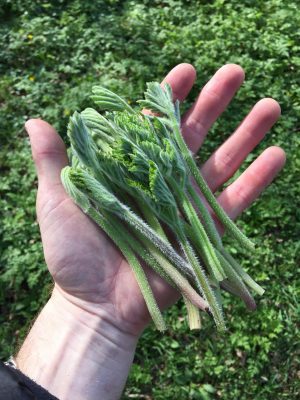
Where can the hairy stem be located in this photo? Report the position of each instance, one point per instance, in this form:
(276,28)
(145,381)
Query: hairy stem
(183,285)
(208,254)
(208,222)
(237,282)
(205,288)
(107,201)
(220,213)
(243,274)
(135,265)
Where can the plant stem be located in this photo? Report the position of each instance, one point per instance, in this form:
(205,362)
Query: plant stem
(220,213)
(237,282)
(208,222)
(161,265)
(161,244)
(234,264)
(191,301)
(135,265)
(177,278)
(200,276)
(205,288)
(234,279)
(138,249)
(151,219)
(106,200)
(208,254)
(243,274)
(151,255)
(194,317)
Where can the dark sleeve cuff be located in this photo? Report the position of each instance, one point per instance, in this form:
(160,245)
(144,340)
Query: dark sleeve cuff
(14,385)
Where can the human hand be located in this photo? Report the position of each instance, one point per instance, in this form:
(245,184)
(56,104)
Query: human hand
(82,344)
(87,268)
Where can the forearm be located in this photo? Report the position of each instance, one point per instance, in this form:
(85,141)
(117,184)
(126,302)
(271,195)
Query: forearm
(76,355)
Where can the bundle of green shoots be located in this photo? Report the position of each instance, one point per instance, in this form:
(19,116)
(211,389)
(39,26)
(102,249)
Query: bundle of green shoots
(135,177)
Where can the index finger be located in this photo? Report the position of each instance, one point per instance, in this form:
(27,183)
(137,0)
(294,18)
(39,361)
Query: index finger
(181,79)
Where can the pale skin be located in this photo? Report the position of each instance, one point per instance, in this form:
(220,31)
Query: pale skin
(82,344)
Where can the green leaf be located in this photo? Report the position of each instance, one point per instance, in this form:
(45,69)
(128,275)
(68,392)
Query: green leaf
(158,99)
(81,141)
(99,125)
(107,100)
(80,198)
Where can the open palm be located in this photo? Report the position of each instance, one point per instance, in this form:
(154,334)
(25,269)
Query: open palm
(87,268)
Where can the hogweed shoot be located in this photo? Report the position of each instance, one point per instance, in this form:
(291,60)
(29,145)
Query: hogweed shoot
(132,174)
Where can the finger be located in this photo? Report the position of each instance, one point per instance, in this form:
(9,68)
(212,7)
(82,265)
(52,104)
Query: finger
(48,151)
(181,79)
(224,162)
(242,193)
(211,102)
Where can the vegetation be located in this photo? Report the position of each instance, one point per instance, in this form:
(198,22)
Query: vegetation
(53,52)
(135,169)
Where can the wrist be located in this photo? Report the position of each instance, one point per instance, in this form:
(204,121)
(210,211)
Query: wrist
(76,354)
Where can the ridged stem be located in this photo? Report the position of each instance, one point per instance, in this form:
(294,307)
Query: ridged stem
(236,280)
(96,192)
(135,265)
(243,274)
(194,318)
(208,222)
(205,288)
(220,213)
(191,298)
(158,262)
(207,251)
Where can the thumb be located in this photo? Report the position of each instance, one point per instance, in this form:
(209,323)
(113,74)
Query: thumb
(48,152)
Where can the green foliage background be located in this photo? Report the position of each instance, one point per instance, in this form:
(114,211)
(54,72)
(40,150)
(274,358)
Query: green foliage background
(52,52)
